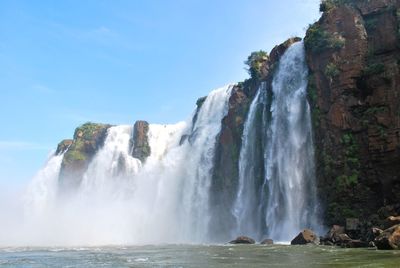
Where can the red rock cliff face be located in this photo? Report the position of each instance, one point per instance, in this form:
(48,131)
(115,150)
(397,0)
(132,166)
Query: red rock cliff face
(354,89)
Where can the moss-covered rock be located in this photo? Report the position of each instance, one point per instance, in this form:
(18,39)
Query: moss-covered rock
(88,139)
(63,146)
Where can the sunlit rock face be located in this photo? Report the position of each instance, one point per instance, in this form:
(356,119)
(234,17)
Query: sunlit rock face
(353,54)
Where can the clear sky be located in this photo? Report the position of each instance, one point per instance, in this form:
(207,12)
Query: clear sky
(66,62)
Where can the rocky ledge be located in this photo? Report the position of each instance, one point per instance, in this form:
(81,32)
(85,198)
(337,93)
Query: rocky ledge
(88,139)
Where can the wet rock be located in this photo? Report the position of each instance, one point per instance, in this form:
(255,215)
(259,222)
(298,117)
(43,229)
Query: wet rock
(342,239)
(141,148)
(376,232)
(243,240)
(389,239)
(63,146)
(305,237)
(88,139)
(327,243)
(334,232)
(391,221)
(355,244)
(267,242)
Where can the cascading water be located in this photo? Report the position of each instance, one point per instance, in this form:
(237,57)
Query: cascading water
(245,208)
(42,192)
(200,149)
(166,199)
(289,153)
(112,161)
(123,201)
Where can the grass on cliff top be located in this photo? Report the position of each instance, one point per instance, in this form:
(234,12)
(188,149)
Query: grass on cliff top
(327,5)
(318,39)
(255,62)
(88,130)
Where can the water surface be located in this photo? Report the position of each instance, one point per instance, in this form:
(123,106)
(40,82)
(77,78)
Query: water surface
(198,256)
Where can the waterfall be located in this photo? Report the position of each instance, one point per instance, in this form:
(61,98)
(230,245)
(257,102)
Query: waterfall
(245,210)
(42,191)
(289,153)
(166,198)
(200,149)
(121,200)
(111,161)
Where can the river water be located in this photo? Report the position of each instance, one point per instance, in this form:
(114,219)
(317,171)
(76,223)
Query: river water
(198,256)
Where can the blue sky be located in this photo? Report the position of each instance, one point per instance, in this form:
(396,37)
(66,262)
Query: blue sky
(63,63)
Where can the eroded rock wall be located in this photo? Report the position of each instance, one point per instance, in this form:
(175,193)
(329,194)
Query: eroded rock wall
(354,90)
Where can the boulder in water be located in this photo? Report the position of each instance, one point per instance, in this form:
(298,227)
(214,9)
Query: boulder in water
(305,237)
(341,239)
(334,233)
(267,241)
(243,240)
(389,239)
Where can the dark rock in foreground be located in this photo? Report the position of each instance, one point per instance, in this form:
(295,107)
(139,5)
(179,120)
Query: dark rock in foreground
(267,242)
(389,239)
(305,237)
(356,244)
(334,234)
(337,237)
(391,221)
(243,240)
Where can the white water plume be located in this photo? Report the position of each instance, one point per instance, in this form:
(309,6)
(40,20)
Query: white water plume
(123,201)
(246,203)
(289,155)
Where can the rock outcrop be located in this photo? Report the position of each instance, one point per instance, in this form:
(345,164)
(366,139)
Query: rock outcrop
(63,146)
(391,221)
(243,240)
(305,237)
(389,239)
(141,148)
(267,242)
(337,237)
(353,53)
(88,139)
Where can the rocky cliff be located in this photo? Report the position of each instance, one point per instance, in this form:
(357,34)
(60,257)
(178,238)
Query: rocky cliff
(226,159)
(87,140)
(353,53)
(141,148)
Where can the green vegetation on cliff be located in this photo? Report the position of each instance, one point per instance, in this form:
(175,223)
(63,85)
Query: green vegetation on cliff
(318,39)
(332,70)
(88,139)
(255,62)
(327,5)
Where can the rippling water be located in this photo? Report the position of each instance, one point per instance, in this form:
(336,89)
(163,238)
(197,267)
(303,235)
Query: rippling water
(198,256)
